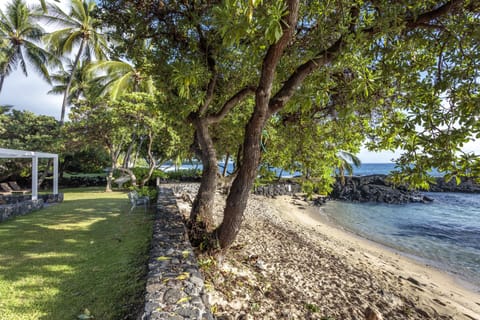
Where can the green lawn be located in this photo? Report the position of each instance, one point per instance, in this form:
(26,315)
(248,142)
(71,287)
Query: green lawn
(88,252)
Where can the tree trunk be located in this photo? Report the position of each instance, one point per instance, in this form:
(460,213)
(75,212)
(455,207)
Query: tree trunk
(70,81)
(224,173)
(113,157)
(2,78)
(126,159)
(108,188)
(151,160)
(201,215)
(133,178)
(44,174)
(243,183)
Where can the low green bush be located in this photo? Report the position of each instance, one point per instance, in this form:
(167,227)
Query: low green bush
(146,191)
(184,174)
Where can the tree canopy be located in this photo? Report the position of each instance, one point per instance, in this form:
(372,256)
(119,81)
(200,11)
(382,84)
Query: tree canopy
(20,37)
(292,83)
(326,77)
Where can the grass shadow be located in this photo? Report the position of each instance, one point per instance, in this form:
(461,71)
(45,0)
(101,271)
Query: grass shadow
(88,252)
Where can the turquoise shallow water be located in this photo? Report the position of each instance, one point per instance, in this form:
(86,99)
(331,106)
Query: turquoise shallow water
(444,233)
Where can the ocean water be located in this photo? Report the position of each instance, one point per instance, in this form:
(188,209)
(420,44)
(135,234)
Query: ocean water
(444,233)
(373,168)
(364,170)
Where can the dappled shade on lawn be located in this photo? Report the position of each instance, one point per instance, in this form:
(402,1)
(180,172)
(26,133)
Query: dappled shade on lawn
(88,252)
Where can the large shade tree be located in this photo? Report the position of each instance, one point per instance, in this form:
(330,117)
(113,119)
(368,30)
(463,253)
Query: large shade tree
(201,80)
(410,70)
(101,123)
(20,42)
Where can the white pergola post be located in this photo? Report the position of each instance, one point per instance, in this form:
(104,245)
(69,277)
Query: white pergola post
(55,175)
(34,155)
(34,177)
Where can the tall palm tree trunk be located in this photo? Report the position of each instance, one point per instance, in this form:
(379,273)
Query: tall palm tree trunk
(70,81)
(3,75)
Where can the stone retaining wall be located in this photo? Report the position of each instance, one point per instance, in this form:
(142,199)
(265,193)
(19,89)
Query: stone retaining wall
(175,286)
(278,189)
(20,208)
(17,205)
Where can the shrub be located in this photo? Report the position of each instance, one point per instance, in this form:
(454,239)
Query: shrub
(146,191)
(184,174)
(141,173)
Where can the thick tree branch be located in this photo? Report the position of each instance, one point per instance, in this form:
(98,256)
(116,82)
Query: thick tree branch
(210,93)
(234,100)
(207,51)
(325,57)
(423,19)
(296,79)
(275,51)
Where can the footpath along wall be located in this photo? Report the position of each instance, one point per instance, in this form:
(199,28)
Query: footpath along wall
(175,286)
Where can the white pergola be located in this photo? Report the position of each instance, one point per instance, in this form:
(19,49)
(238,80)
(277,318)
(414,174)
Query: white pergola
(34,155)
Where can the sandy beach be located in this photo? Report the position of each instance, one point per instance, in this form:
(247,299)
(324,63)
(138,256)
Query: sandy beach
(289,264)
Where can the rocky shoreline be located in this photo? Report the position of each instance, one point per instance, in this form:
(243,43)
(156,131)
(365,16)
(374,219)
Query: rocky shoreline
(374,188)
(371,188)
(287,265)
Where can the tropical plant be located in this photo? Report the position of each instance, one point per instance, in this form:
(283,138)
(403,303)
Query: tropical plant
(114,78)
(81,30)
(43,4)
(80,85)
(347,161)
(20,36)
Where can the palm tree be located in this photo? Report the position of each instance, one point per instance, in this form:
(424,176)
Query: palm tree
(80,30)
(80,84)
(118,77)
(346,160)
(19,35)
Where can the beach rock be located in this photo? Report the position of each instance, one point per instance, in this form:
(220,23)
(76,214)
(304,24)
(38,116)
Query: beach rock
(466,185)
(372,314)
(374,188)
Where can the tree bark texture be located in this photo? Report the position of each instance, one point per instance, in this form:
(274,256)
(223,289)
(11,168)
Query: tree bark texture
(243,183)
(202,208)
(201,215)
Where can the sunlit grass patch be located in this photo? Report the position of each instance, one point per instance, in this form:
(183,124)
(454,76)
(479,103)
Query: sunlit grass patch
(88,252)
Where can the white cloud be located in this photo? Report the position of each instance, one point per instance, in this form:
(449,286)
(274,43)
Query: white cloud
(30,93)
(377,157)
(472,146)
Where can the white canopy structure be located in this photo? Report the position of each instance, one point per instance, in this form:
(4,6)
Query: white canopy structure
(34,155)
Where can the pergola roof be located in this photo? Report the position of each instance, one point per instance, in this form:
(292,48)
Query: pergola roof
(12,153)
(34,155)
